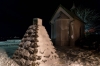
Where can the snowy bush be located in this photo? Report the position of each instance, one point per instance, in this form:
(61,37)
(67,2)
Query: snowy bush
(5,60)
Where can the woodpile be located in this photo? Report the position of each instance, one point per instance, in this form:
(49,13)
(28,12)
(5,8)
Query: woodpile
(24,55)
(36,48)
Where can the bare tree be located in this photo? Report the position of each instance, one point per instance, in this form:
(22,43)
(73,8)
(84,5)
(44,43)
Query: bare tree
(90,17)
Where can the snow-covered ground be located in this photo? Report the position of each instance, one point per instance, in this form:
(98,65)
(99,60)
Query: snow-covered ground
(10,46)
(9,42)
(9,50)
(73,57)
(36,49)
(5,60)
(78,57)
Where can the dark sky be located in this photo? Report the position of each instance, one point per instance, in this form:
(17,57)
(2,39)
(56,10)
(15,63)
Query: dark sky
(16,15)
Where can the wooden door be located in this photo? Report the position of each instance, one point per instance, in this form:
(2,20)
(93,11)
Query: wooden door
(62,32)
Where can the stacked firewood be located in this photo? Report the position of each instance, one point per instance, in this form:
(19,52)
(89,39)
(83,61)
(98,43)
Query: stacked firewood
(36,48)
(25,54)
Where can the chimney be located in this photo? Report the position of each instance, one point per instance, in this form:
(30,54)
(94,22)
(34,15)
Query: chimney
(73,6)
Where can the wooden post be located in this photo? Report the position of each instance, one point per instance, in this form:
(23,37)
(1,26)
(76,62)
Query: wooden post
(37,21)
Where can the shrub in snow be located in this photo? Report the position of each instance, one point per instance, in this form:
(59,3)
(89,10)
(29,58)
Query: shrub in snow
(5,60)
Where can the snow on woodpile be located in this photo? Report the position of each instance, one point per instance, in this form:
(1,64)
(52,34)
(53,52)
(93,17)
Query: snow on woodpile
(13,41)
(36,48)
(5,60)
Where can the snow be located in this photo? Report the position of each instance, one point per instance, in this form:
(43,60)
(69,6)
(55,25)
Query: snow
(72,36)
(13,41)
(45,47)
(5,60)
(79,57)
(9,42)
(48,55)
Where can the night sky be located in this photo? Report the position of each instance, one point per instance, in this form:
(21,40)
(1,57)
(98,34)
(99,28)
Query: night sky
(16,15)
